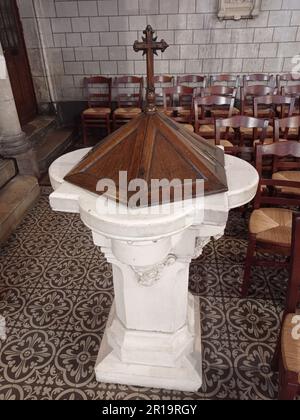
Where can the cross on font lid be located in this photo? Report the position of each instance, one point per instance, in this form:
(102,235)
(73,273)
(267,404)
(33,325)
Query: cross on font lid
(150,46)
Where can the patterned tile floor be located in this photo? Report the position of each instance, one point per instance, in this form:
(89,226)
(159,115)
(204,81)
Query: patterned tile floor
(56,291)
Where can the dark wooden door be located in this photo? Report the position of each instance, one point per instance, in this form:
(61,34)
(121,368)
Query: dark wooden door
(12,40)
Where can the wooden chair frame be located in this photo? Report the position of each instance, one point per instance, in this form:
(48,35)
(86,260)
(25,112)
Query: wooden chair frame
(236,123)
(289,386)
(265,196)
(218,90)
(96,100)
(207,105)
(219,79)
(162,79)
(174,101)
(258,77)
(128,100)
(286,77)
(272,102)
(192,78)
(251,92)
(294,91)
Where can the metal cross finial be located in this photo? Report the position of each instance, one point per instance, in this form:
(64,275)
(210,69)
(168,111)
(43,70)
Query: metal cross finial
(150,46)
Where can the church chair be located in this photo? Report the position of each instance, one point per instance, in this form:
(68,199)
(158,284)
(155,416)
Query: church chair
(229,80)
(97,115)
(258,79)
(129,98)
(270,225)
(235,127)
(289,362)
(277,106)
(287,354)
(293,91)
(178,103)
(192,80)
(219,90)
(160,82)
(286,169)
(287,79)
(206,110)
(248,93)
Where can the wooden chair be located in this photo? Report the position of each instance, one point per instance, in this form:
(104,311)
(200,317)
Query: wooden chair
(289,362)
(287,355)
(219,90)
(270,228)
(286,128)
(178,103)
(160,82)
(248,93)
(206,110)
(293,91)
(192,80)
(258,78)
(225,79)
(235,127)
(129,98)
(278,107)
(286,169)
(286,79)
(97,115)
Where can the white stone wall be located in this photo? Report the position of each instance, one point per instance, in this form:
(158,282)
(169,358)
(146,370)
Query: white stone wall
(68,40)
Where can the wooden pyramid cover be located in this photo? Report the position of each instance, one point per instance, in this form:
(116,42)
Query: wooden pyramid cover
(151,147)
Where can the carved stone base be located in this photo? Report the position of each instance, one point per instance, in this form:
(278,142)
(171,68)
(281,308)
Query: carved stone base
(2,328)
(19,148)
(170,366)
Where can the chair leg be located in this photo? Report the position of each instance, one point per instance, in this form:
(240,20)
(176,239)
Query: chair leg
(277,355)
(287,391)
(84,132)
(114,123)
(108,124)
(248,266)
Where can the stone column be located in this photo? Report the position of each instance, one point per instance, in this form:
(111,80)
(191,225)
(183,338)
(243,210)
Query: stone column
(13,141)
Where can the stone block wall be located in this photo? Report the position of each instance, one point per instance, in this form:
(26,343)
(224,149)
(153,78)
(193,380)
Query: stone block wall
(68,40)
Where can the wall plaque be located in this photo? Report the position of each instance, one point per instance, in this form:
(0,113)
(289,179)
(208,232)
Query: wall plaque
(238,9)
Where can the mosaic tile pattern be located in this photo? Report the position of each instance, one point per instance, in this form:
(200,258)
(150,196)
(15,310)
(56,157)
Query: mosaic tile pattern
(56,291)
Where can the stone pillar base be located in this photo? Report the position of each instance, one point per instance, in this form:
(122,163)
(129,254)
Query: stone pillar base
(184,375)
(2,328)
(28,164)
(18,147)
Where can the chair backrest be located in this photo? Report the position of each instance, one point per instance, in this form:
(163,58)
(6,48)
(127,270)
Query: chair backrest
(218,90)
(292,90)
(258,77)
(221,79)
(272,102)
(241,121)
(210,104)
(282,127)
(276,150)
(163,78)
(160,82)
(192,80)
(130,91)
(293,292)
(287,78)
(248,93)
(98,90)
(178,96)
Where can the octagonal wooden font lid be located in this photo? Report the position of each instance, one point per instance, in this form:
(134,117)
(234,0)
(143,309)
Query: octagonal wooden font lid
(152,146)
